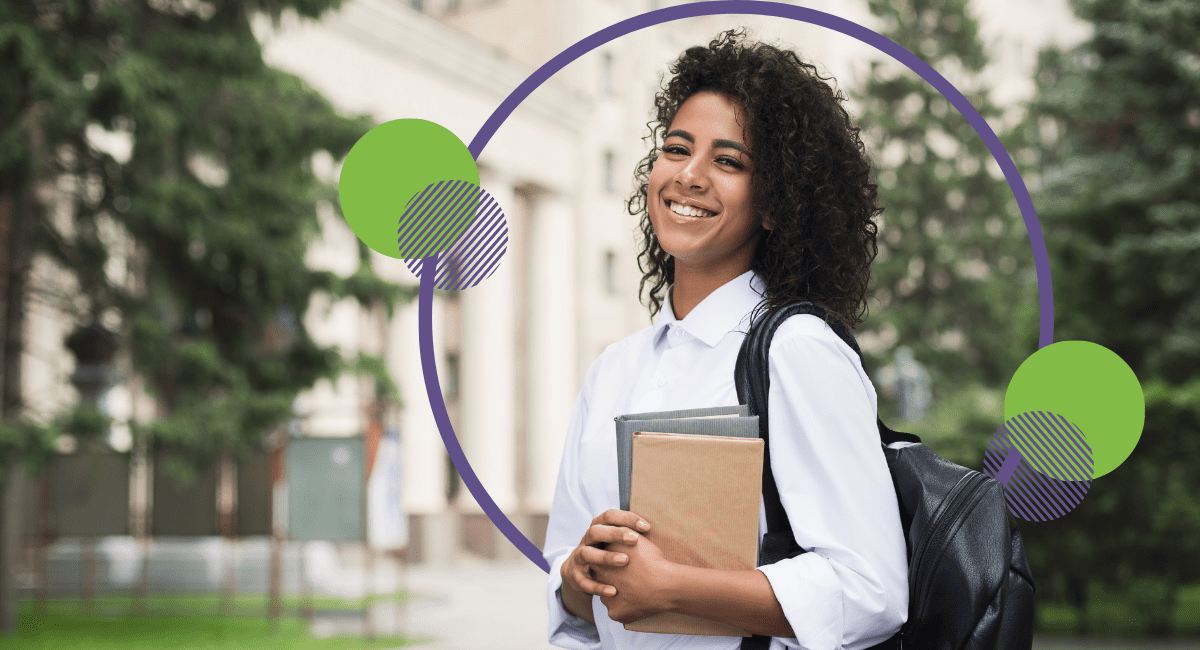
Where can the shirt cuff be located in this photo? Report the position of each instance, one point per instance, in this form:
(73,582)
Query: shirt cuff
(566,629)
(810,594)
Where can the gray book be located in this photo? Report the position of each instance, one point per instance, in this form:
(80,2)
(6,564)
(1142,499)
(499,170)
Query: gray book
(733,421)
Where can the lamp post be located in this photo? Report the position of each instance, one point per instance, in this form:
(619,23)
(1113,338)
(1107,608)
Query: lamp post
(93,347)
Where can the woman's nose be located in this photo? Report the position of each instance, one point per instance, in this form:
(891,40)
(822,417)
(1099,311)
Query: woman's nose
(692,174)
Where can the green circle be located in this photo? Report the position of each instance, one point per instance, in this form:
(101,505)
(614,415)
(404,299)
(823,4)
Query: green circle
(388,166)
(1089,385)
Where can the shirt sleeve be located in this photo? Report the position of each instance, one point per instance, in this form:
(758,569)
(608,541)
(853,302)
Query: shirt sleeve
(850,590)
(569,520)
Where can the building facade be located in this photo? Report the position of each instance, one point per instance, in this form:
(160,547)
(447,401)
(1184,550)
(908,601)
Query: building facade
(512,351)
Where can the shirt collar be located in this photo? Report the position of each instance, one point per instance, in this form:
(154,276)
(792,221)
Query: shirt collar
(722,311)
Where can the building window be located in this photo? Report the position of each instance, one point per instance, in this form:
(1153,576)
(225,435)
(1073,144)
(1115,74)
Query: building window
(452,481)
(610,272)
(452,377)
(606,75)
(609,179)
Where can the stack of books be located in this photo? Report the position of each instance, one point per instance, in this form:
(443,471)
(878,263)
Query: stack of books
(696,476)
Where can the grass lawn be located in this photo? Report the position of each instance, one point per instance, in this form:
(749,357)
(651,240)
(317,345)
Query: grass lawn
(70,631)
(181,622)
(203,604)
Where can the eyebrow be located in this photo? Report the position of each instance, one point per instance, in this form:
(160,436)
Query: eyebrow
(718,143)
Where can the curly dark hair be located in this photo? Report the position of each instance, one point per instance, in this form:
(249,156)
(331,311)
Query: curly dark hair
(811,180)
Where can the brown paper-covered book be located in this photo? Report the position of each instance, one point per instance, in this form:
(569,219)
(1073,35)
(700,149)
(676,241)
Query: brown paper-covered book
(701,493)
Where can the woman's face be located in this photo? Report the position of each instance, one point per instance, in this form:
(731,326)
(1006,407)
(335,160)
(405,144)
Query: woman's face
(700,200)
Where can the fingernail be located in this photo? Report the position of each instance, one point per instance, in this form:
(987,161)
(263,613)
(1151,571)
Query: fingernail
(631,537)
(643,525)
(622,558)
(611,591)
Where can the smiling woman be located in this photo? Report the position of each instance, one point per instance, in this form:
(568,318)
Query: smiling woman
(757,193)
(701,201)
(809,171)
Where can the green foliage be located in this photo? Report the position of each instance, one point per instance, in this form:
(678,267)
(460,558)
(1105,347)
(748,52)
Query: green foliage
(26,442)
(954,277)
(197,237)
(1123,613)
(188,632)
(23,440)
(972,409)
(84,421)
(1120,118)
(1119,123)
(376,368)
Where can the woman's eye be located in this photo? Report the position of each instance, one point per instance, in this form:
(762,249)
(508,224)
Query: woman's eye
(732,162)
(675,149)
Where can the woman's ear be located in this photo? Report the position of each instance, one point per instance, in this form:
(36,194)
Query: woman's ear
(766,225)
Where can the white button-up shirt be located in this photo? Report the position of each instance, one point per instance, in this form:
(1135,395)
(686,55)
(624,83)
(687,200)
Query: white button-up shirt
(851,589)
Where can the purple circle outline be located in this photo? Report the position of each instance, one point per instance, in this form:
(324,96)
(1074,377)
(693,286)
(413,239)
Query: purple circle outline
(715,7)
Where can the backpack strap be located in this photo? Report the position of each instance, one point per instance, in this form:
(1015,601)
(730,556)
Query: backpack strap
(752,380)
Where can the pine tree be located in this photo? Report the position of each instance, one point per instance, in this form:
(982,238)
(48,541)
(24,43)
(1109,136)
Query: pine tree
(193,240)
(1119,121)
(952,281)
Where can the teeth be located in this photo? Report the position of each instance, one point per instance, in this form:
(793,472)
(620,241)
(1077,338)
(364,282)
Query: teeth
(689,211)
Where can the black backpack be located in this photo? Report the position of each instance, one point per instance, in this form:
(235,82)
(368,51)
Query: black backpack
(969,584)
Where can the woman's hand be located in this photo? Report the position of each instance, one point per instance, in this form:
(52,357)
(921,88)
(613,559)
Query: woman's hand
(643,584)
(579,570)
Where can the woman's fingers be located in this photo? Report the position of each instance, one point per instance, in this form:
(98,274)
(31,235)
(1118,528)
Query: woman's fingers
(587,585)
(630,520)
(615,526)
(611,527)
(578,574)
(601,535)
(593,555)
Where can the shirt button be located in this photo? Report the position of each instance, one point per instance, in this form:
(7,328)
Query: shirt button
(661,382)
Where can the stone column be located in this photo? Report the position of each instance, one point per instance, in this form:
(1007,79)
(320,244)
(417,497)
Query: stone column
(487,377)
(488,382)
(434,527)
(551,366)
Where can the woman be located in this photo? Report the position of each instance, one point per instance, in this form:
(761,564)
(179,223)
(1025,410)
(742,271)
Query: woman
(759,194)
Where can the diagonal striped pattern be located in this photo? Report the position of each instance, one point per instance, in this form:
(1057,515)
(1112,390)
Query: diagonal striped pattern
(1051,445)
(476,254)
(1032,495)
(436,218)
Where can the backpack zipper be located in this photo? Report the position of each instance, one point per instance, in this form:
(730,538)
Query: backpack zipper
(963,492)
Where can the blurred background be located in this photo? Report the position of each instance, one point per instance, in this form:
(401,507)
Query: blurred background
(215,430)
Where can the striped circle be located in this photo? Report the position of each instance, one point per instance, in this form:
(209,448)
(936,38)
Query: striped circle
(436,218)
(1030,494)
(476,255)
(1051,445)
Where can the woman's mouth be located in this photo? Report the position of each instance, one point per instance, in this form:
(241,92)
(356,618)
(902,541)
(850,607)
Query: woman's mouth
(687,210)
